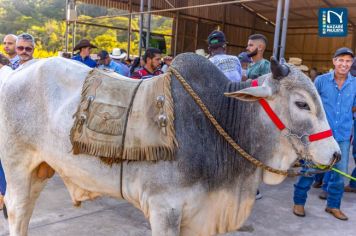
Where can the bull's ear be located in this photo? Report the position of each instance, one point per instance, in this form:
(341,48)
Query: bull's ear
(252,93)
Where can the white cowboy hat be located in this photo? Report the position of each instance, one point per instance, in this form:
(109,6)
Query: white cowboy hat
(117,54)
(201,52)
(303,68)
(295,61)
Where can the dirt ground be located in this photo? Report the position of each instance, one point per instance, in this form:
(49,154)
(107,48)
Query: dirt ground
(54,215)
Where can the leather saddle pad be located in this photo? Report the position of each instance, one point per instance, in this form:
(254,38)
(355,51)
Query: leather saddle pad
(124,119)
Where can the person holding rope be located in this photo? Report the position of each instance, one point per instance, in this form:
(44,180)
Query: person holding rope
(351,188)
(337,90)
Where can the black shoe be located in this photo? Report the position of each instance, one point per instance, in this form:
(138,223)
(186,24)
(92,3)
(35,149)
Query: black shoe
(4,210)
(317,184)
(258,195)
(323,195)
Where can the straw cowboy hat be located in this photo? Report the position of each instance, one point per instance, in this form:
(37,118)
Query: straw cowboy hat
(298,63)
(201,52)
(118,54)
(83,44)
(295,61)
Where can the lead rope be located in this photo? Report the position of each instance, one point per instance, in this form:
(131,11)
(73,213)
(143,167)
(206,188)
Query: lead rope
(224,134)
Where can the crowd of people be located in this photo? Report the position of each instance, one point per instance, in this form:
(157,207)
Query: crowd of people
(336,88)
(149,65)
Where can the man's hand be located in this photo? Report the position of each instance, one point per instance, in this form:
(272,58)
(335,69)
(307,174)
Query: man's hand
(167,60)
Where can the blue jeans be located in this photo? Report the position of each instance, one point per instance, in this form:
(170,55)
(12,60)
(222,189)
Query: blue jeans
(319,177)
(2,181)
(333,182)
(353,182)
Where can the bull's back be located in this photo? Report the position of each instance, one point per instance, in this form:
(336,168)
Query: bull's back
(40,98)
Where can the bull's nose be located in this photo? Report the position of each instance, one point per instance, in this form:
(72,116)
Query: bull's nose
(337,157)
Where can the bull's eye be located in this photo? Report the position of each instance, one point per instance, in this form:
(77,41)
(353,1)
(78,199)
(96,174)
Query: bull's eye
(302,105)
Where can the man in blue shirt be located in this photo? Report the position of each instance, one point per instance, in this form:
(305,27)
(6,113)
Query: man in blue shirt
(337,90)
(107,63)
(352,185)
(84,47)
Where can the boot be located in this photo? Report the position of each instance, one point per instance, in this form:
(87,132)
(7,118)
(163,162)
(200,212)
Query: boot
(298,210)
(1,201)
(337,213)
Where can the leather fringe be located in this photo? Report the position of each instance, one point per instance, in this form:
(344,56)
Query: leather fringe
(110,154)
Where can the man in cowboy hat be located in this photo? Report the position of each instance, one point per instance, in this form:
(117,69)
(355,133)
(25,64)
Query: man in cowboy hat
(84,46)
(107,63)
(118,55)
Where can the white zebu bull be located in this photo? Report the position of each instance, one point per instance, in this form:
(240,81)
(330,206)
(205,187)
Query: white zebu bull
(208,190)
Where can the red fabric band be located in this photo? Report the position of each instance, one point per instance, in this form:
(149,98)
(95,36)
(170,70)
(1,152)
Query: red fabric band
(279,123)
(321,135)
(254,83)
(269,110)
(271,114)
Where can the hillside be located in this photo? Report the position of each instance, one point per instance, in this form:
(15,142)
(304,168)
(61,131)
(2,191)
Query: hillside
(44,19)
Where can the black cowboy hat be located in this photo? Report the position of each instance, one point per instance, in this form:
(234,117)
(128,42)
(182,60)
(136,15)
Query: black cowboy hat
(83,44)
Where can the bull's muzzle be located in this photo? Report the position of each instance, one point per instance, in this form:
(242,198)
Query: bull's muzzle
(336,157)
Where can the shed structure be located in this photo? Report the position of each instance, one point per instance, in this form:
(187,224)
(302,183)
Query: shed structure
(195,19)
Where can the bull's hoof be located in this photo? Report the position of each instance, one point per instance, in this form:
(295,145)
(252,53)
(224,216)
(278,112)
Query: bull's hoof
(77,204)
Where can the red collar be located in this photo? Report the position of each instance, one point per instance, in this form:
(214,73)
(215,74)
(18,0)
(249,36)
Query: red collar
(275,119)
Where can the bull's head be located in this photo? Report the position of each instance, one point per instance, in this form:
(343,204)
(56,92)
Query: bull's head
(294,99)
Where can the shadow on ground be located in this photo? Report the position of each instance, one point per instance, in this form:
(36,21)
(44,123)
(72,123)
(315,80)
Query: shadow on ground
(55,216)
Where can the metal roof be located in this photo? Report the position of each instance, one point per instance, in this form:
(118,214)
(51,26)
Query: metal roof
(302,14)
(239,19)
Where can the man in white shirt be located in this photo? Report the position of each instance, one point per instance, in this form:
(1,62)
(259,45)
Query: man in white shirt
(229,65)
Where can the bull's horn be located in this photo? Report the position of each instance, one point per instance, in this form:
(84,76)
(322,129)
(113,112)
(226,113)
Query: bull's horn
(278,70)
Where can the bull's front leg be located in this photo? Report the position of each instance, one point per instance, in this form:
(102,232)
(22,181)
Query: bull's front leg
(23,189)
(165,219)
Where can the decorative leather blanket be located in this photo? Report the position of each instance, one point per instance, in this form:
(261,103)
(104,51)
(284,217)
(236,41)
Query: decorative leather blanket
(125,119)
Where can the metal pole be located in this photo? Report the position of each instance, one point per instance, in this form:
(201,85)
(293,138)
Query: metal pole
(73,35)
(67,28)
(148,24)
(284,30)
(129,30)
(74,27)
(176,33)
(353,44)
(196,35)
(141,26)
(277,30)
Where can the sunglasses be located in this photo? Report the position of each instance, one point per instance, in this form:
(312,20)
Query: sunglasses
(27,49)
